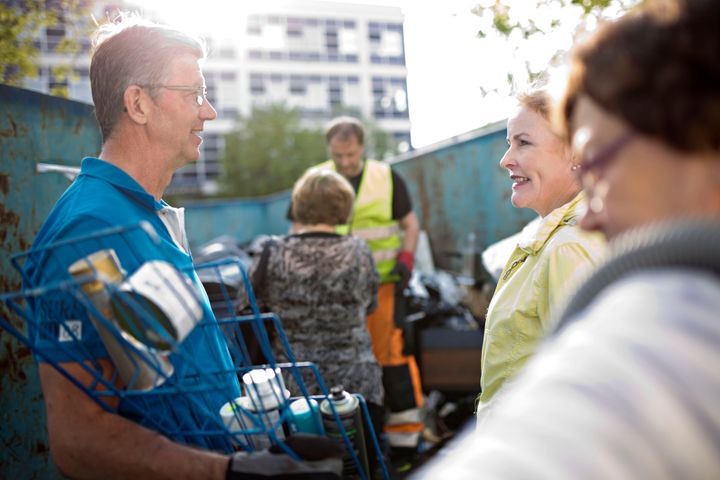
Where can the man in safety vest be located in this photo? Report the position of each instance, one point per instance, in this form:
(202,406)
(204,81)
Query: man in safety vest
(383,216)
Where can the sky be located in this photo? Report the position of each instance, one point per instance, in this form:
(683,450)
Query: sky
(457,82)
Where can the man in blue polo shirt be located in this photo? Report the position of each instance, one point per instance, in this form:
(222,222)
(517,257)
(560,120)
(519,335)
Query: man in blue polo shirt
(149,96)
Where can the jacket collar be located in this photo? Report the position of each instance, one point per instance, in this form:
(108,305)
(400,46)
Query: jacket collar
(95,167)
(567,214)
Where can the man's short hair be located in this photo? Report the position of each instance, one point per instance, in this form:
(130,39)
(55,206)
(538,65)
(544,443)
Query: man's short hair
(344,128)
(322,196)
(132,51)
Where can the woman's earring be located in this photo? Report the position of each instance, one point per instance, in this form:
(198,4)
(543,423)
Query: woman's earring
(574,167)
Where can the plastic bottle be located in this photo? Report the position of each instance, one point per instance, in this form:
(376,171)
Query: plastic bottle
(469,254)
(348,409)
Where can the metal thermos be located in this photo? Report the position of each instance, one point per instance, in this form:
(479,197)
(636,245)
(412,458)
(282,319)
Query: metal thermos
(139,369)
(348,409)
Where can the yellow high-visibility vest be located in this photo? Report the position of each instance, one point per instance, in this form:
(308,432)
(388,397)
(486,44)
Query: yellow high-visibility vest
(372,216)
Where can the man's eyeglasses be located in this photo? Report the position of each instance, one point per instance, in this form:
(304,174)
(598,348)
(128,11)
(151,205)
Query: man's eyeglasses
(603,157)
(201,92)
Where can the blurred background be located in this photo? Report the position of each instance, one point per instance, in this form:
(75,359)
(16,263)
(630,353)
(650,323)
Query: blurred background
(416,72)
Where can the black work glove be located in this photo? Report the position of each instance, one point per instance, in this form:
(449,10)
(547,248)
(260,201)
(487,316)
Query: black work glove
(321,459)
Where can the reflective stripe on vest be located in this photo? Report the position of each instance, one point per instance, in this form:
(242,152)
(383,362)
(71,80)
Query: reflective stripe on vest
(377,233)
(372,216)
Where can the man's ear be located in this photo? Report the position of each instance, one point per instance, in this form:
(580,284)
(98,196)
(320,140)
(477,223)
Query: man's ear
(135,103)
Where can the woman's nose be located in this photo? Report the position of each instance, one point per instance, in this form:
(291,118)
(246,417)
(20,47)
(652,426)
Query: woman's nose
(505,161)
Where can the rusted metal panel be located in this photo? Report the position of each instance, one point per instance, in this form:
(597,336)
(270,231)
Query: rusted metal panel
(34,128)
(458,188)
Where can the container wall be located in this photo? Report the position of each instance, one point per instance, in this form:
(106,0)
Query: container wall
(242,219)
(34,128)
(458,188)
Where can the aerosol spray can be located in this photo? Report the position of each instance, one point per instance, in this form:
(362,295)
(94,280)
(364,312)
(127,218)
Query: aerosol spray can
(305,417)
(348,409)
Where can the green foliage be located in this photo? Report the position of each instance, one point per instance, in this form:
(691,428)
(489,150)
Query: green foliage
(521,21)
(589,5)
(378,143)
(21,22)
(268,151)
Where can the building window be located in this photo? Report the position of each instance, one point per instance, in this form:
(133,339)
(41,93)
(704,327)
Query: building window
(227,52)
(54,35)
(257,84)
(227,76)
(386,43)
(389,97)
(230,112)
(213,145)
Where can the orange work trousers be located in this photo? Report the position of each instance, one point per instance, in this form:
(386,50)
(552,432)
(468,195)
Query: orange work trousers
(401,377)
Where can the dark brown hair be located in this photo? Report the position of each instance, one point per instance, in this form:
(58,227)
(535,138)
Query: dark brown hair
(658,70)
(344,128)
(322,196)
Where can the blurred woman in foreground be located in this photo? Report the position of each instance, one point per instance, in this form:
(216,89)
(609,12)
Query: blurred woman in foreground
(630,387)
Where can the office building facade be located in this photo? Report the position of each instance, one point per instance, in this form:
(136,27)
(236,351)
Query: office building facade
(318,57)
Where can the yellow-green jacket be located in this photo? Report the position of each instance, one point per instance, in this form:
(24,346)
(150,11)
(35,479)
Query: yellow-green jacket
(372,216)
(534,284)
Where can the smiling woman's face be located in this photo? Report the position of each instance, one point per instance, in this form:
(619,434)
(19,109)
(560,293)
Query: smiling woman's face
(539,163)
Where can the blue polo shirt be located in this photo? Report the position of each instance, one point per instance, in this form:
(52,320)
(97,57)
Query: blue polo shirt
(103,208)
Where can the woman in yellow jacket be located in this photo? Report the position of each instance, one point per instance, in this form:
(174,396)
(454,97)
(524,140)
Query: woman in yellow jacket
(542,269)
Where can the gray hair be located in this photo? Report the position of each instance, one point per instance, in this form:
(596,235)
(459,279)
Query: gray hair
(132,51)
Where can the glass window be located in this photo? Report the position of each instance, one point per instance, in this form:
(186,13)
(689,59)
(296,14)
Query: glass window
(230,112)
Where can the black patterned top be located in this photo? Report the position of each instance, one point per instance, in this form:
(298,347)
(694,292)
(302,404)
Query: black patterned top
(322,286)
